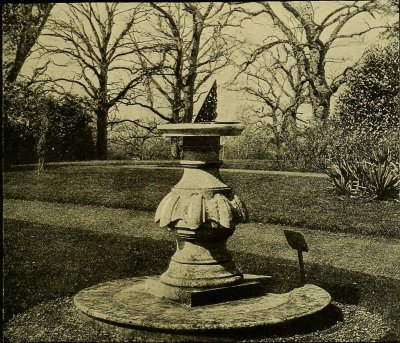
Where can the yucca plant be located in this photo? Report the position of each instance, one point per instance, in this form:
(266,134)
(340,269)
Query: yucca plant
(382,180)
(344,175)
(375,176)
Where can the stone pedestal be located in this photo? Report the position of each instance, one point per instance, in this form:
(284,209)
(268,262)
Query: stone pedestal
(201,211)
(202,295)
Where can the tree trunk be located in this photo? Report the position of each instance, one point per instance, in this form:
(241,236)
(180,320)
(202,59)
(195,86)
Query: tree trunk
(192,73)
(320,93)
(289,126)
(320,102)
(189,105)
(41,144)
(101,141)
(30,32)
(19,60)
(175,148)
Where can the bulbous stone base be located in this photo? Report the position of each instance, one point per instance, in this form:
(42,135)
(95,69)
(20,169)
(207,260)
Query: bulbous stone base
(202,212)
(125,305)
(201,260)
(196,275)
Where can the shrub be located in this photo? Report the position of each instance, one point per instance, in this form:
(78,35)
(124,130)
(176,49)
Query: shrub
(365,150)
(381,176)
(371,101)
(374,176)
(342,176)
(68,133)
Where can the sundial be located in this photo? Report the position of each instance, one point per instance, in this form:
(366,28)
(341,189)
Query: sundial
(202,293)
(208,111)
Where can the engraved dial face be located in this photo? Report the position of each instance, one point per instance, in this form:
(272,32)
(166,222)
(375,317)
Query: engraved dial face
(208,111)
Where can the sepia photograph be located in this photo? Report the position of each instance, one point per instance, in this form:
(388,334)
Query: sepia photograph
(201,171)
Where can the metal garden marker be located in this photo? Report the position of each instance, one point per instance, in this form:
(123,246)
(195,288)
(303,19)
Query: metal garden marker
(297,241)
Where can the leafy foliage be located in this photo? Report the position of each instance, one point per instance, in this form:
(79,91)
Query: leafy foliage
(391,7)
(371,103)
(67,132)
(23,110)
(365,152)
(70,135)
(375,175)
(342,176)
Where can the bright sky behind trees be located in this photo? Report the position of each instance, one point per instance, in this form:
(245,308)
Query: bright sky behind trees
(254,30)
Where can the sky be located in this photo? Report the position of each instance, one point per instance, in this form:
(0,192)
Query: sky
(230,102)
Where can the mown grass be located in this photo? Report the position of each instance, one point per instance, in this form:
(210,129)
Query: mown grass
(228,163)
(271,165)
(42,263)
(278,199)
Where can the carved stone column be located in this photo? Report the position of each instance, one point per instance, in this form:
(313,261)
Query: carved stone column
(202,212)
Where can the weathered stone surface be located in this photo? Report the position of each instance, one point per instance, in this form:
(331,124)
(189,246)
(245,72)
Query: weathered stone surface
(126,303)
(201,129)
(201,274)
(250,286)
(202,212)
(208,201)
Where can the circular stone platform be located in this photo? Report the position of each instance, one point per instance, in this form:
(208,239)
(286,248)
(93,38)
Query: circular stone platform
(201,129)
(127,304)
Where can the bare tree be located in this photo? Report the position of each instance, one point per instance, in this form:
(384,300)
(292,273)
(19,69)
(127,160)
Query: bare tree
(22,26)
(191,43)
(310,42)
(131,136)
(274,84)
(254,142)
(93,36)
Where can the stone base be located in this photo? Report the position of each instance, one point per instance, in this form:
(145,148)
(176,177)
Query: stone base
(125,305)
(250,286)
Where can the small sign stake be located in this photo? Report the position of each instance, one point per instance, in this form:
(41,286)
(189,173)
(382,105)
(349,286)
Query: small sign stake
(297,241)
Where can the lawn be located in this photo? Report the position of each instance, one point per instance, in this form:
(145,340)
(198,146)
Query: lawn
(43,264)
(289,200)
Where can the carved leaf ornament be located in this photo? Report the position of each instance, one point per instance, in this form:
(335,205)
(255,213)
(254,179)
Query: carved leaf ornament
(176,210)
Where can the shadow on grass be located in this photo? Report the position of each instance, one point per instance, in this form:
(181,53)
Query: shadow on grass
(344,286)
(275,199)
(42,263)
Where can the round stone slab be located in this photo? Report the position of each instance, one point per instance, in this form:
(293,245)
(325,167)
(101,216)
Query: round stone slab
(126,303)
(201,129)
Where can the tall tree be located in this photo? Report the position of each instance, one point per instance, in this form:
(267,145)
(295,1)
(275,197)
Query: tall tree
(275,86)
(94,39)
(22,26)
(310,41)
(191,43)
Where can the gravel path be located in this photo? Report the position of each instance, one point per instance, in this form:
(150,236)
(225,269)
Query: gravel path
(58,321)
